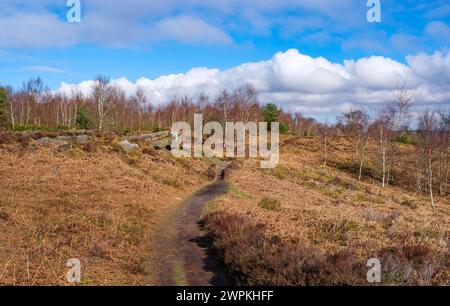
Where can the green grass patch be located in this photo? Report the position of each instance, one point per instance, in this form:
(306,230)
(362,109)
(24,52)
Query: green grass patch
(270,204)
(33,128)
(172,182)
(362,197)
(239,194)
(178,273)
(211,206)
(407,139)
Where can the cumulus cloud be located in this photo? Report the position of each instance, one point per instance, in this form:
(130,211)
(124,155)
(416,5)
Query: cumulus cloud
(299,82)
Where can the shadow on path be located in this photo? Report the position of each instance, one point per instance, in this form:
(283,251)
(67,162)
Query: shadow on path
(199,264)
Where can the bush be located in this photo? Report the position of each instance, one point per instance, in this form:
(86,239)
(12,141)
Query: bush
(34,128)
(254,258)
(126,132)
(270,204)
(409,264)
(406,139)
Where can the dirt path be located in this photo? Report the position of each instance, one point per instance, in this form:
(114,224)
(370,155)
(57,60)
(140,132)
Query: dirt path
(187,259)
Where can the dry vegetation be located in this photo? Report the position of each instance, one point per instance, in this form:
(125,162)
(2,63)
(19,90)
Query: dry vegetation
(303,223)
(89,201)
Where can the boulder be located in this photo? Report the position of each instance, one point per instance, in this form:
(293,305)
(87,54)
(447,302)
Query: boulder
(44,140)
(64,138)
(161,144)
(128,146)
(83,138)
(150,137)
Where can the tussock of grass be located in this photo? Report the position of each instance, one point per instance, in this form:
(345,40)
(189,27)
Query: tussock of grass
(270,204)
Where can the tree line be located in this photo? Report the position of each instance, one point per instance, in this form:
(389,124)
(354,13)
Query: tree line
(108,108)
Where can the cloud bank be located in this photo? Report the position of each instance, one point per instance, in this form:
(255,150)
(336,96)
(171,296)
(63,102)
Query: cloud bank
(298,82)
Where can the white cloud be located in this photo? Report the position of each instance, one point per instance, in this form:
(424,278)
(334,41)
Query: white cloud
(432,69)
(37,30)
(190,30)
(438,30)
(40,69)
(41,28)
(302,83)
(377,72)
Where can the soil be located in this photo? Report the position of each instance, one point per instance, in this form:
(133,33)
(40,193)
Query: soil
(187,258)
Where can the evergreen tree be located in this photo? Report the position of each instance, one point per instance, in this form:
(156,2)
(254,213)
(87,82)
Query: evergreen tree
(271,112)
(82,120)
(3,99)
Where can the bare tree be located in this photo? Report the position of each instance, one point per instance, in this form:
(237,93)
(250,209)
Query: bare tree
(383,131)
(325,131)
(444,154)
(223,102)
(33,90)
(12,100)
(398,111)
(356,124)
(100,92)
(245,100)
(117,106)
(141,100)
(428,147)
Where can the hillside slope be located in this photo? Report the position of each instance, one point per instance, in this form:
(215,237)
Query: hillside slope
(94,202)
(306,224)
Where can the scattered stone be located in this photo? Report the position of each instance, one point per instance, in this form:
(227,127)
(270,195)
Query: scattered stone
(161,144)
(44,140)
(150,137)
(128,146)
(64,138)
(64,147)
(83,138)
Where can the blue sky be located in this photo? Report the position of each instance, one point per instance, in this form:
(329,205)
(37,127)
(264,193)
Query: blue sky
(137,39)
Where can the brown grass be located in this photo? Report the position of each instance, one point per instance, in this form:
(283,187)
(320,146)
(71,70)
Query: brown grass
(326,211)
(87,202)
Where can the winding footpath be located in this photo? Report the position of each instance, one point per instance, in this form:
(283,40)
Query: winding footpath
(188,259)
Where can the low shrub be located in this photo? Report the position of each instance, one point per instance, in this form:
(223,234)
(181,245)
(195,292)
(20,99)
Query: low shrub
(31,127)
(406,139)
(172,182)
(409,264)
(270,204)
(255,257)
